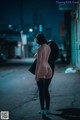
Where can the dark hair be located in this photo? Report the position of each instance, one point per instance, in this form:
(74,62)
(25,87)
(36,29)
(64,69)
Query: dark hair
(41,39)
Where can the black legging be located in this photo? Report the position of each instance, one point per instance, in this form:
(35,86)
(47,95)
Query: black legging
(43,85)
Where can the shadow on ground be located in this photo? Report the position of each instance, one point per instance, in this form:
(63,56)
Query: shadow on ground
(46,117)
(68,113)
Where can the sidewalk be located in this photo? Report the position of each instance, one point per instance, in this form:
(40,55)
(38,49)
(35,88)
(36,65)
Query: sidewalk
(25,61)
(21,61)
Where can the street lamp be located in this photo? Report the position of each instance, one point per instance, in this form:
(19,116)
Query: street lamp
(30,30)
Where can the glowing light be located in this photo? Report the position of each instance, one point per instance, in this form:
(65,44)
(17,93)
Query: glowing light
(50,40)
(10,26)
(19,44)
(40,28)
(30,30)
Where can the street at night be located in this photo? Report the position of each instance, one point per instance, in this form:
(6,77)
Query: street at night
(19,94)
(48,31)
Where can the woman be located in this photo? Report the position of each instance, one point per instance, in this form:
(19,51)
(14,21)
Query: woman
(43,72)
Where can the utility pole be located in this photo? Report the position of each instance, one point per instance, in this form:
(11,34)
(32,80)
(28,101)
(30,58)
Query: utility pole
(21,25)
(35,20)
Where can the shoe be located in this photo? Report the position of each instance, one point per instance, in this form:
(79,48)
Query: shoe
(47,111)
(41,112)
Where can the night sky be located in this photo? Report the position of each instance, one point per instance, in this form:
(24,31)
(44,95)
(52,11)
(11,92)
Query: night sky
(47,9)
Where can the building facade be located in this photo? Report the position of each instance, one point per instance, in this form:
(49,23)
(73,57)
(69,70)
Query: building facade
(75,36)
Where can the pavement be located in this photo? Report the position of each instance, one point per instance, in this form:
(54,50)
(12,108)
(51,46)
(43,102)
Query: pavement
(23,103)
(25,60)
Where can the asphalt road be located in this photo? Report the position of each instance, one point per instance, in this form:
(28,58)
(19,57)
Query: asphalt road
(19,94)
(17,88)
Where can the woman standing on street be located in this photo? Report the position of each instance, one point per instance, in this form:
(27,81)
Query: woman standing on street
(43,72)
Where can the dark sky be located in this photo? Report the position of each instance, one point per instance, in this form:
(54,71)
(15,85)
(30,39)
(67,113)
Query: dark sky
(47,9)
(10,10)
